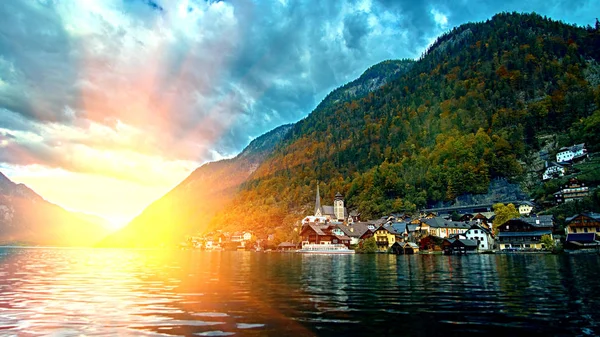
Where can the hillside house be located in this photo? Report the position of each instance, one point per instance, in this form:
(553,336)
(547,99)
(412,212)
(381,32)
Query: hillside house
(574,190)
(525,207)
(567,154)
(553,170)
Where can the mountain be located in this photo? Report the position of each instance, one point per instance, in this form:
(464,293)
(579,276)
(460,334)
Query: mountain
(475,107)
(27,219)
(189,207)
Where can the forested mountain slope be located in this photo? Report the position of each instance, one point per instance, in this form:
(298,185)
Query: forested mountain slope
(468,111)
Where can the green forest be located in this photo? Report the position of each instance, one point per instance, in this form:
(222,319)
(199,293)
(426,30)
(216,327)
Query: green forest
(472,108)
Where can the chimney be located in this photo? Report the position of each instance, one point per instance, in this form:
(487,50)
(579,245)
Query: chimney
(351,229)
(537,221)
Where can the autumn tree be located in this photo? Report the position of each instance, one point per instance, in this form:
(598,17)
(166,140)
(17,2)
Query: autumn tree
(503,214)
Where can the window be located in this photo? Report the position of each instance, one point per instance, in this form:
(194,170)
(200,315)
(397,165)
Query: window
(585,230)
(482,246)
(597,229)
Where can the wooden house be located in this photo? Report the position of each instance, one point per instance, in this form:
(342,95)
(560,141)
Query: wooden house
(525,233)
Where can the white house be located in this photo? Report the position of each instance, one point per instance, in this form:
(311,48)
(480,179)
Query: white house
(483,237)
(566,154)
(553,170)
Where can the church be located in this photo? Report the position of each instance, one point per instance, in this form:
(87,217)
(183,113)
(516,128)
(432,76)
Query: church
(337,212)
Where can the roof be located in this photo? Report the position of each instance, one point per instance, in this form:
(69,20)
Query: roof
(518,234)
(465,242)
(573,148)
(540,221)
(439,222)
(581,237)
(480,227)
(354,230)
(411,227)
(286,244)
(595,216)
(316,228)
(399,227)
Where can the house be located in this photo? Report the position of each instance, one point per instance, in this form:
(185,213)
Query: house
(525,233)
(354,230)
(322,234)
(385,238)
(574,190)
(483,236)
(553,170)
(404,248)
(567,154)
(525,207)
(443,228)
(583,223)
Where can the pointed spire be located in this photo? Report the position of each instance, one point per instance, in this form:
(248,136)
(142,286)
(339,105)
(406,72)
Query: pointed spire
(318,201)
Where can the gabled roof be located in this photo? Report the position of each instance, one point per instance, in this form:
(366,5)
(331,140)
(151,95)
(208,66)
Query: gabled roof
(595,216)
(480,227)
(354,230)
(399,227)
(318,229)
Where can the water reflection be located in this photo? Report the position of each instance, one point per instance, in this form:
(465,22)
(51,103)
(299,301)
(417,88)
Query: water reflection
(69,292)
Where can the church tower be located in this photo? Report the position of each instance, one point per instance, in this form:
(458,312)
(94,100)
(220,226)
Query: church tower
(338,206)
(318,210)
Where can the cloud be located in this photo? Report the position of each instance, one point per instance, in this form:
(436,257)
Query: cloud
(190,81)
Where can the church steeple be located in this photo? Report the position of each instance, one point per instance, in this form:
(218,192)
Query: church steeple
(318,202)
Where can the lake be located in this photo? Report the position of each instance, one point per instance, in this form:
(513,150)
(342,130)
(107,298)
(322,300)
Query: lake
(97,292)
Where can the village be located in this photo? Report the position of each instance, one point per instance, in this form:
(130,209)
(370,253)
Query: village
(454,230)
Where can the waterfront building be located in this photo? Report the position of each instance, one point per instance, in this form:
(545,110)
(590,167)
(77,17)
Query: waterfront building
(385,238)
(312,233)
(583,223)
(483,236)
(525,233)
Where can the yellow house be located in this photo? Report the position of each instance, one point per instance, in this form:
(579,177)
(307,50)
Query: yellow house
(384,238)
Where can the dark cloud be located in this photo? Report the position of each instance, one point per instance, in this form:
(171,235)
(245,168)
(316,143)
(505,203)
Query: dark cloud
(201,80)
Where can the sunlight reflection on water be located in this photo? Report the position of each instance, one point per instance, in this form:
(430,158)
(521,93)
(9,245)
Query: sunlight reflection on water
(72,292)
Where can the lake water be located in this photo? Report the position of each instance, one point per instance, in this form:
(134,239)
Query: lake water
(74,292)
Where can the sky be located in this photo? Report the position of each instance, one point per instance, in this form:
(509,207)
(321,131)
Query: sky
(107,105)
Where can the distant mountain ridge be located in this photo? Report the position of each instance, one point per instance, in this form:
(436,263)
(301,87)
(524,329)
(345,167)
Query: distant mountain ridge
(27,219)
(189,207)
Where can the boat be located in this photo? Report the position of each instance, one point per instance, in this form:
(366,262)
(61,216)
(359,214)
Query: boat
(325,249)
